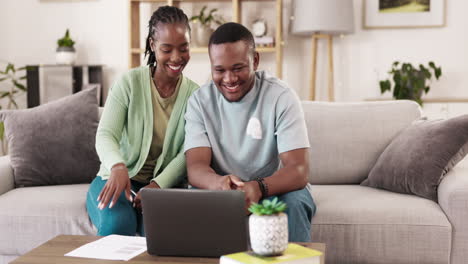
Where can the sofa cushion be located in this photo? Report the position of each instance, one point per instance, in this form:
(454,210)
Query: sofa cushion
(32,215)
(419,157)
(346,139)
(54,143)
(365,225)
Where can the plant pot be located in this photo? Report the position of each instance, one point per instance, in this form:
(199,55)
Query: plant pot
(203,34)
(415,96)
(268,234)
(65,55)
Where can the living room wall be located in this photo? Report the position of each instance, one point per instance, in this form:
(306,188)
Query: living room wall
(366,56)
(30,29)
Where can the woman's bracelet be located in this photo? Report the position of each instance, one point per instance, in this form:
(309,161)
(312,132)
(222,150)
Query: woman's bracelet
(119,167)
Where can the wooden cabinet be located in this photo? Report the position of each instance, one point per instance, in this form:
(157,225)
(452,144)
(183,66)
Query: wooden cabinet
(134,21)
(47,83)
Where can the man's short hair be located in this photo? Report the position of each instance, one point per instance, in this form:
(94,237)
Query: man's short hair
(232,32)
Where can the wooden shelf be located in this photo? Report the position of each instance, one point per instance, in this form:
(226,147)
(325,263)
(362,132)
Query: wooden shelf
(199,49)
(266,50)
(134,27)
(137,51)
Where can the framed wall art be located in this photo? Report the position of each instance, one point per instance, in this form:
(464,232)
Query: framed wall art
(403,13)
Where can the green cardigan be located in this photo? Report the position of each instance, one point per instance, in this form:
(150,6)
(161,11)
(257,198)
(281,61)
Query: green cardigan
(125,130)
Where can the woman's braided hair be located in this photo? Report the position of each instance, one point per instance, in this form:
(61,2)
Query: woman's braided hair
(163,15)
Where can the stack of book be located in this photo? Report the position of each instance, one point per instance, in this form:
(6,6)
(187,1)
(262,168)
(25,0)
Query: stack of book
(294,254)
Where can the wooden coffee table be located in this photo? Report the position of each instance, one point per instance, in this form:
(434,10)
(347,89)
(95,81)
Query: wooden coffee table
(53,251)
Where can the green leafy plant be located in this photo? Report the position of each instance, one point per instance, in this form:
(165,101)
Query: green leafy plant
(268,207)
(66,41)
(410,82)
(207,19)
(13,76)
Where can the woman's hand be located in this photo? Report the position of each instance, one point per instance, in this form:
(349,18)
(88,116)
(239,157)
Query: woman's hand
(137,201)
(229,182)
(118,181)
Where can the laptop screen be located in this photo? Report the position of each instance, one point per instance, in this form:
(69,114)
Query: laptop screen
(193,222)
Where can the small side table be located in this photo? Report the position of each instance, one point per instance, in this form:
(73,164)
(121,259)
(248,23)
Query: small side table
(49,82)
(53,252)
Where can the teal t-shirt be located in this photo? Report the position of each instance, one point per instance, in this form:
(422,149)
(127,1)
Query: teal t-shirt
(246,137)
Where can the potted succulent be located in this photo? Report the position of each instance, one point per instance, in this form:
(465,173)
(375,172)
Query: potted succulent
(410,82)
(203,22)
(268,227)
(65,53)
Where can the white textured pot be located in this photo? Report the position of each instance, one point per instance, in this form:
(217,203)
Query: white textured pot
(65,55)
(268,234)
(203,35)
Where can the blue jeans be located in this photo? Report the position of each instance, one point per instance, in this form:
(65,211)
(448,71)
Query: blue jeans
(121,219)
(300,209)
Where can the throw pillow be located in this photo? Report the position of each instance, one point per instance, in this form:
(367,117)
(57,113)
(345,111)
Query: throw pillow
(54,143)
(416,160)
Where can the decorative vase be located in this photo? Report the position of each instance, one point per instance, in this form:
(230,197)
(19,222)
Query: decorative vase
(203,34)
(65,55)
(268,234)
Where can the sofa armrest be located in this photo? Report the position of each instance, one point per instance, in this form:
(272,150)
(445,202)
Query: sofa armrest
(7,181)
(453,199)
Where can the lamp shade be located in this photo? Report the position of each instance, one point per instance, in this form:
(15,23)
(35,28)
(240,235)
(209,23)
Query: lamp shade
(324,16)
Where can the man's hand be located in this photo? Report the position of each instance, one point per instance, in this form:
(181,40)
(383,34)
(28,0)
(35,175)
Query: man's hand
(292,176)
(251,189)
(202,176)
(229,182)
(137,201)
(252,194)
(118,182)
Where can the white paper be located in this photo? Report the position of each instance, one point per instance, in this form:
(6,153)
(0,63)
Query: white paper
(113,247)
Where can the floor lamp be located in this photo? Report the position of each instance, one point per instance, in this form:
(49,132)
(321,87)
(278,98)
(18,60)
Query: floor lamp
(322,19)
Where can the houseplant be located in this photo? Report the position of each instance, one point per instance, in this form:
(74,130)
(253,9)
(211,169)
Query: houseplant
(14,77)
(268,227)
(204,22)
(410,82)
(65,53)
(11,87)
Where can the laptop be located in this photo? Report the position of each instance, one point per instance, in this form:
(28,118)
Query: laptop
(193,222)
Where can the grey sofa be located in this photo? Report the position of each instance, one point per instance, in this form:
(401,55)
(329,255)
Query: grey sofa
(359,224)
